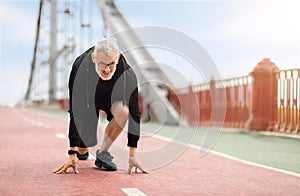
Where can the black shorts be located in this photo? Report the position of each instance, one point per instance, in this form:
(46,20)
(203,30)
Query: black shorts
(90,137)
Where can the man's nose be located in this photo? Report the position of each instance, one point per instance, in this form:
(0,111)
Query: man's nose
(106,68)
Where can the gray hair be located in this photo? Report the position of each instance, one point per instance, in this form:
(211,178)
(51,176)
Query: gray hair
(107,45)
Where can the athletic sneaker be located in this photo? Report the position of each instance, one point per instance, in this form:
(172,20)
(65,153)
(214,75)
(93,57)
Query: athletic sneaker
(104,161)
(84,156)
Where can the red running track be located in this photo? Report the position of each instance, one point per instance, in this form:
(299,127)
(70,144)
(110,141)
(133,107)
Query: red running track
(30,151)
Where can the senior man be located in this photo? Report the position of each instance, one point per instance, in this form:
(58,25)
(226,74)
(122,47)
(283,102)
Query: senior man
(101,79)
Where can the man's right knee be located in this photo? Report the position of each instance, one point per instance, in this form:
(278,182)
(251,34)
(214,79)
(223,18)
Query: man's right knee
(120,113)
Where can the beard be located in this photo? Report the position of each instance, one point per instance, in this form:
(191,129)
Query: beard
(104,76)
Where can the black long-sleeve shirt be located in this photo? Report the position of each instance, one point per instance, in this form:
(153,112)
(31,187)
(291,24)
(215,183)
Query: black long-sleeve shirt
(89,93)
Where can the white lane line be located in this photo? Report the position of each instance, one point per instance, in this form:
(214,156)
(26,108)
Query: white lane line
(32,121)
(255,164)
(133,192)
(60,135)
(233,158)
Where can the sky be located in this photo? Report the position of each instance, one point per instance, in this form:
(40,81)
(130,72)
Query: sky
(236,34)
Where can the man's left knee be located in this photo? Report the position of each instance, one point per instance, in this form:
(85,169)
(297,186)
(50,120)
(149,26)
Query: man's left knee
(120,112)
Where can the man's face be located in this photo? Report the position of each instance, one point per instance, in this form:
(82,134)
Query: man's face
(105,65)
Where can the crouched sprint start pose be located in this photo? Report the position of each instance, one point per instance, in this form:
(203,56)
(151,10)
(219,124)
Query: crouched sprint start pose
(101,79)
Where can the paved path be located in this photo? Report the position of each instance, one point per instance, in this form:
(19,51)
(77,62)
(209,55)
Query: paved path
(31,148)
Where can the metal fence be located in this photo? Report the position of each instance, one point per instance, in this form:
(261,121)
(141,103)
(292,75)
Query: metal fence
(266,99)
(288,115)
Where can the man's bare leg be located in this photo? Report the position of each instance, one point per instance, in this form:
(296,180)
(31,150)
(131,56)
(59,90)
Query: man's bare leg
(82,151)
(116,125)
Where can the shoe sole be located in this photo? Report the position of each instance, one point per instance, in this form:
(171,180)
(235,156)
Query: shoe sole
(100,165)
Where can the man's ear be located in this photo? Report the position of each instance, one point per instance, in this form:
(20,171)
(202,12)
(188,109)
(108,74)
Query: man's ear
(93,57)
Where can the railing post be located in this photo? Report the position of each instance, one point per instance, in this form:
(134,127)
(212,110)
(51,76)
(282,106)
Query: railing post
(264,96)
(212,92)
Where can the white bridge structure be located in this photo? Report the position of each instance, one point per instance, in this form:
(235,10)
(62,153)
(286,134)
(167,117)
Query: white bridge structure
(153,81)
(53,53)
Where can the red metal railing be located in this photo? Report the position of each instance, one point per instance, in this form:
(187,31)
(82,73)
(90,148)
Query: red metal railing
(288,118)
(266,99)
(63,103)
(238,94)
(236,91)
